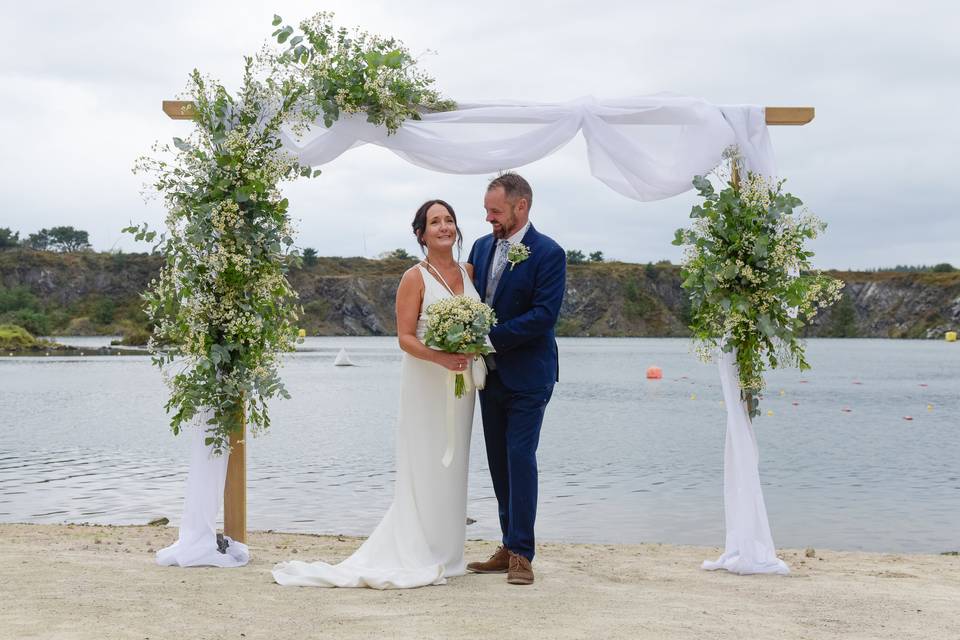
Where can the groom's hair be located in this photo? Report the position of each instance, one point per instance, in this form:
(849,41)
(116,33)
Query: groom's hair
(514,187)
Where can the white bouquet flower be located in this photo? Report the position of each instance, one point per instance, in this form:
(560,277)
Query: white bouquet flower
(459,325)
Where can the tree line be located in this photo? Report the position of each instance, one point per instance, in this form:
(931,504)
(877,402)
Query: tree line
(62,239)
(66,239)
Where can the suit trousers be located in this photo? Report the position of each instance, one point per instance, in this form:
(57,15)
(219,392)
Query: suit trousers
(511,429)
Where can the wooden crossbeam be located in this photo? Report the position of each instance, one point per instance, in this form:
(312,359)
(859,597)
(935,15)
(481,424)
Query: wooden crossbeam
(789,115)
(179,109)
(795,116)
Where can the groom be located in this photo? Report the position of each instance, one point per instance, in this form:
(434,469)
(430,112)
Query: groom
(521,274)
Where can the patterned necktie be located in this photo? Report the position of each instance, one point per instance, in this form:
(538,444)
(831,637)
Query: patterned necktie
(499,262)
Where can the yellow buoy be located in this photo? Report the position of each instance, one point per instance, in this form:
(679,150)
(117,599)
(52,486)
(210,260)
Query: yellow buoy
(770,412)
(951,336)
(302,333)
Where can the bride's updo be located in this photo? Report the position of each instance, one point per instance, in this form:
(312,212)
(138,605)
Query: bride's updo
(420,223)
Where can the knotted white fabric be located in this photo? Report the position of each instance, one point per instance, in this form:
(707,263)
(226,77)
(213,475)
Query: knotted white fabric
(646,148)
(197,543)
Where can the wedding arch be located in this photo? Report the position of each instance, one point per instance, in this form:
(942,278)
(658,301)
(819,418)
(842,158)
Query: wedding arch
(326,93)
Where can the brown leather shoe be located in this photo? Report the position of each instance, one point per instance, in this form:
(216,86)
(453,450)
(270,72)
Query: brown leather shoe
(520,571)
(499,562)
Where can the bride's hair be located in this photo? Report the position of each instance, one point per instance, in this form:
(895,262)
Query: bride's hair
(420,223)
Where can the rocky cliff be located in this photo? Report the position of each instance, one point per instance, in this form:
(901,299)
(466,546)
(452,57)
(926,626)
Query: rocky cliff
(99,293)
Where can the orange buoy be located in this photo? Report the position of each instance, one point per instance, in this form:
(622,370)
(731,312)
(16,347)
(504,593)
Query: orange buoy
(654,373)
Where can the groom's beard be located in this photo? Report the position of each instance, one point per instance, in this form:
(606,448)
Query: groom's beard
(506,230)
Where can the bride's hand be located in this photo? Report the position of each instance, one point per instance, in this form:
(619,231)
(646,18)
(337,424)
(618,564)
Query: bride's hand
(456,362)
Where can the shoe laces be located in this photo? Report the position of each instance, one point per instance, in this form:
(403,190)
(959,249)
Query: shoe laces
(516,562)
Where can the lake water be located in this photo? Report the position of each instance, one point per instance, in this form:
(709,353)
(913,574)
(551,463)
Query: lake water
(622,459)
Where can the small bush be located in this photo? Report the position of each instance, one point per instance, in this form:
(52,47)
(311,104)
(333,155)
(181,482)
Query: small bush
(15,337)
(36,322)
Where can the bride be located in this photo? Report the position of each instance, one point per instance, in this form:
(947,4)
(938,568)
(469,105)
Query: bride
(420,539)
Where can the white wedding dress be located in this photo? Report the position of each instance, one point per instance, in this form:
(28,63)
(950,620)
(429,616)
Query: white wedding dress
(420,539)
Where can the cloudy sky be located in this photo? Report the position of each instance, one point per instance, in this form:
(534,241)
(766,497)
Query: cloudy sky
(81,86)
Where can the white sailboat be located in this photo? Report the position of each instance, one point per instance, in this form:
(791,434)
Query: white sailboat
(343,360)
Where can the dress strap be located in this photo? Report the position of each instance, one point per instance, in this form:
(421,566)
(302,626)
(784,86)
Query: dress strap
(439,275)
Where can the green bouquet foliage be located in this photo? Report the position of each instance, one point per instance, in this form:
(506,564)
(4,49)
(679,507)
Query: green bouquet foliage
(222,308)
(749,278)
(459,325)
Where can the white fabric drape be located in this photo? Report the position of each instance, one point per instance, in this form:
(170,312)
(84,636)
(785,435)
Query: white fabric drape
(646,148)
(749,124)
(197,543)
(749,545)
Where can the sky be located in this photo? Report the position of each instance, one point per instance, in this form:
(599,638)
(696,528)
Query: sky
(81,86)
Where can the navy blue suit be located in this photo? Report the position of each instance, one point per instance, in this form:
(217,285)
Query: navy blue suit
(527,303)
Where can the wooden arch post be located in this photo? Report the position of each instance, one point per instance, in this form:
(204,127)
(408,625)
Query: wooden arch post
(235,490)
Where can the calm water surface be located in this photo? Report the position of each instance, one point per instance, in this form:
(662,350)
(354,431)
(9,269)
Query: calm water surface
(622,459)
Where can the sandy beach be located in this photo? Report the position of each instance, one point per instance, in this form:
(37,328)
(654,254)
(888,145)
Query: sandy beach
(85,581)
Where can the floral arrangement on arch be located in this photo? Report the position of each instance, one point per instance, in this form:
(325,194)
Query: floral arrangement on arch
(221,308)
(747,270)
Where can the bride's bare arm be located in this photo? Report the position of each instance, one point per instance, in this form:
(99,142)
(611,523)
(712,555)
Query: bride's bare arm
(409,299)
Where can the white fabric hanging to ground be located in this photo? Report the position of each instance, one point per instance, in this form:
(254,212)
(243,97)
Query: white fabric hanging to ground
(749,545)
(646,148)
(196,545)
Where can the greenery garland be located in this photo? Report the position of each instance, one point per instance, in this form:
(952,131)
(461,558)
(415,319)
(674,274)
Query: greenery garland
(749,277)
(222,309)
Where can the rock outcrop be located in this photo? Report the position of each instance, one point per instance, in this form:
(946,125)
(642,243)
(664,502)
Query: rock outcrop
(355,296)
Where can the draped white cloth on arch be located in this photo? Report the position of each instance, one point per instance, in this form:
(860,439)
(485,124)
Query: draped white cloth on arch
(645,148)
(680,137)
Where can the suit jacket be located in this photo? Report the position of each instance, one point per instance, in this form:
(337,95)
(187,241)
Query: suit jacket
(527,303)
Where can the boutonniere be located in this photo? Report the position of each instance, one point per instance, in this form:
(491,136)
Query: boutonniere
(518,253)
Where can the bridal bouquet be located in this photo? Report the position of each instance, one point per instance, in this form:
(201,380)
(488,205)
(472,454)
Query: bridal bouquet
(459,325)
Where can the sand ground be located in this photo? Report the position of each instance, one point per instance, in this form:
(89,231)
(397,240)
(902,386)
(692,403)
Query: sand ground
(84,581)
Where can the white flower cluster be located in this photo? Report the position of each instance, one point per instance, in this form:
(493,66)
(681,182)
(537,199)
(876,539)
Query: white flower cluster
(517,253)
(458,324)
(756,191)
(749,275)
